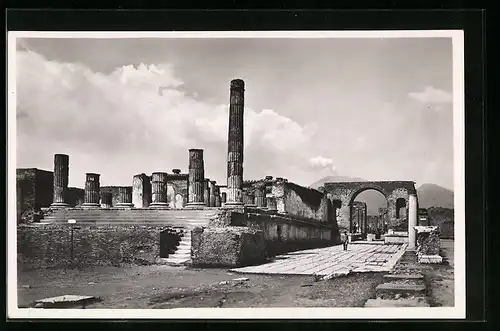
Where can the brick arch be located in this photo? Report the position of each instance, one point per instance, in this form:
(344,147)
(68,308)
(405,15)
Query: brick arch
(369,186)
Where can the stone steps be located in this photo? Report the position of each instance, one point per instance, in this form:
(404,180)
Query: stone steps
(404,286)
(185,217)
(182,254)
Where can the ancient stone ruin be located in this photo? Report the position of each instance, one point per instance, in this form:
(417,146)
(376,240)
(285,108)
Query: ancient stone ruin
(241,223)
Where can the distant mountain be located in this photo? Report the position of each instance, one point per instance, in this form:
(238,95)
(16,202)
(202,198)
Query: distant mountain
(429,195)
(432,195)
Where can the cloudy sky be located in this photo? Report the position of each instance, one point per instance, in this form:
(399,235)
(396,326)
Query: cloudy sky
(379,109)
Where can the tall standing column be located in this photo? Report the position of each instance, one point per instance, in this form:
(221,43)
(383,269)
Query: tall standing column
(92,191)
(141,191)
(196,178)
(124,197)
(212,193)
(159,190)
(61,175)
(206,192)
(412,220)
(235,144)
(260,195)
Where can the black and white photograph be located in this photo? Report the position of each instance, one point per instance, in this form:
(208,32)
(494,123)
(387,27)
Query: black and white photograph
(227,174)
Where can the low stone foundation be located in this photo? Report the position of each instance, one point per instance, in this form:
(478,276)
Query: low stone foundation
(395,239)
(428,244)
(50,246)
(227,247)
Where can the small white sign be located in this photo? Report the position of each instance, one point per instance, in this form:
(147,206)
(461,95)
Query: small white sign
(71,221)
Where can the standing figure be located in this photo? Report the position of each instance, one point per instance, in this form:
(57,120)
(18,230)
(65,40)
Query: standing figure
(345,241)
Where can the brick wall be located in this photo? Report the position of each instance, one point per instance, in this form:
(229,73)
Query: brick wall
(177,184)
(76,196)
(49,246)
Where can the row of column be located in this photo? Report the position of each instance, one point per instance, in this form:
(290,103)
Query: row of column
(202,192)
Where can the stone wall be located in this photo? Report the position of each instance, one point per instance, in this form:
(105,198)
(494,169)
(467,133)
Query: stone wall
(281,233)
(49,246)
(303,202)
(114,190)
(76,196)
(177,190)
(34,190)
(227,247)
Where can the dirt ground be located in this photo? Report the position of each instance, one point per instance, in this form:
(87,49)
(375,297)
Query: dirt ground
(160,286)
(441,280)
(175,287)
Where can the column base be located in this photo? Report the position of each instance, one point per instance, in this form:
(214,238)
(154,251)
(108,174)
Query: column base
(125,205)
(91,205)
(159,205)
(56,205)
(106,206)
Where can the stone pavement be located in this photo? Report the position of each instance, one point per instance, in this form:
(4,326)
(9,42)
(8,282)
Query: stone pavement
(325,261)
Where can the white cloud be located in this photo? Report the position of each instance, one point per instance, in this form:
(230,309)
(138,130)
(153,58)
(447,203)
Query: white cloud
(137,111)
(431,95)
(322,163)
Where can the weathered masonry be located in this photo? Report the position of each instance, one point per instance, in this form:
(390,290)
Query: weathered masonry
(398,194)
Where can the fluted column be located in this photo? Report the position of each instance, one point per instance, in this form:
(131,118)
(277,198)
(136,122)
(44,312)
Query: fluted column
(92,191)
(106,200)
(61,176)
(141,191)
(206,192)
(159,190)
(212,193)
(271,204)
(260,195)
(235,144)
(196,178)
(124,197)
(217,197)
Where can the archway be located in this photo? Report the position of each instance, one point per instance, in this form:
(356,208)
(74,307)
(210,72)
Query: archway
(401,215)
(368,212)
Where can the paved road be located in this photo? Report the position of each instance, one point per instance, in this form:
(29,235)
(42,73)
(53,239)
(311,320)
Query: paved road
(324,261)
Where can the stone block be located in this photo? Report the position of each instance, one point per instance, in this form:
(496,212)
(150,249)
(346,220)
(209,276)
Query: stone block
(392,290)
(412,302)
(435,259)
(227,247)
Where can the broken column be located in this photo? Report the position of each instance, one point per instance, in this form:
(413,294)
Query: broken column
(412,220)
(206,192)
(61,175)
(159,190)
(235,144)
(92,191)
(212,193)
(106,199)
(196,178)
(141,191)
(260,195)
(217,197)
(124,197)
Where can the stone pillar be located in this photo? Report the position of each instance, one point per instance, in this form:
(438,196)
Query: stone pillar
(159,190)
(196,178)
(61,176)
(206,192)
(217,197)
(211,186)
(271,204)
(141,191)
(124,197)
(235,144)
(412,220)
(92,191)
(223,198)
(106,200)
(279,193)
(260,195)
